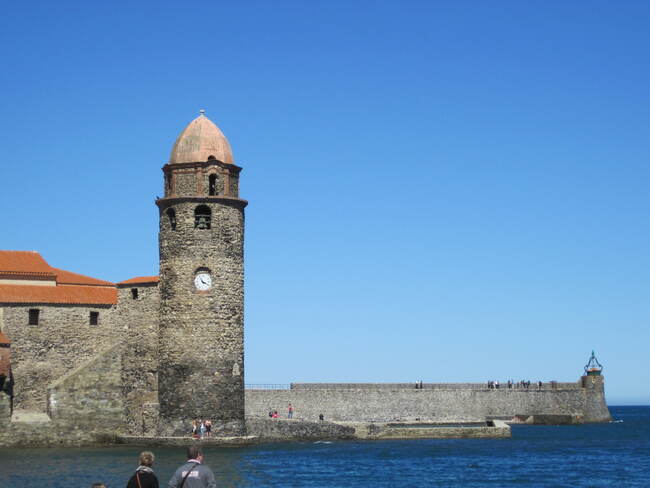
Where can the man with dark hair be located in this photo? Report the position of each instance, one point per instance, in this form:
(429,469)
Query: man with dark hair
(193,474)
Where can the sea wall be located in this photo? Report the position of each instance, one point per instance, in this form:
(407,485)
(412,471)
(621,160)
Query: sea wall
(595,404)
(279,430)
(469,403)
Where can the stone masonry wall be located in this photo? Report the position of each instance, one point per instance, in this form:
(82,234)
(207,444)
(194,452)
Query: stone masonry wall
(138,318)
(5,410)
(201,362)
(596,407)
(85,408)
(62,340)
(383,405)
(90,397)
(279,430)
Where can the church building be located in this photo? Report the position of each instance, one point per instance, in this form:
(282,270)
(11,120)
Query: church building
(180,335)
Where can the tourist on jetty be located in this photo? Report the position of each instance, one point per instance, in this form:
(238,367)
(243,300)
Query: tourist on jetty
(144,476)
(193,474)
(195,429)
(98,485)
(202,429)
(208,428)
(290,412)
(275,414)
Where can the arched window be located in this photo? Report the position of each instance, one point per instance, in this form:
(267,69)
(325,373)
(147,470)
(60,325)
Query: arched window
(171,214)
(202,217)
(212,185)
(211,158)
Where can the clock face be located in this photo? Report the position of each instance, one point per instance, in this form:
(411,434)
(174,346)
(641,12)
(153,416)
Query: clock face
(203,281)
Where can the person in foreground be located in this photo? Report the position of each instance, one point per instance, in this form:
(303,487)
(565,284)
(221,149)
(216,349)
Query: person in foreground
(193,474)
(144,476)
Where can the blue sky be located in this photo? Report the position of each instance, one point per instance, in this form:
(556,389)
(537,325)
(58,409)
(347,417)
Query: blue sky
(439,191)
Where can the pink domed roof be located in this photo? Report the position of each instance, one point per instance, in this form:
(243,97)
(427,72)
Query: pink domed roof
(201,140)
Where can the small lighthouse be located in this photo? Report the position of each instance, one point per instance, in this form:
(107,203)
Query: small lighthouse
(593,367)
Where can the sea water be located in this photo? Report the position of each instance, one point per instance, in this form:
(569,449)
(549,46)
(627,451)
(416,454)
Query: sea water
(615,454)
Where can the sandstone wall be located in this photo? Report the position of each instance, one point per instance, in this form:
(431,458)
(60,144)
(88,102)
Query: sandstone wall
(386,404)
(138,319)
(62,340)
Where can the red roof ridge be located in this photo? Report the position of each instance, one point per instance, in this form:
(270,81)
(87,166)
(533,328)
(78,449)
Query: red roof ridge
(23,262)
(140,279)
(69,278)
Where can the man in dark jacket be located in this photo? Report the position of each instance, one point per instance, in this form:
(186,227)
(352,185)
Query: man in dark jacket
(193,474)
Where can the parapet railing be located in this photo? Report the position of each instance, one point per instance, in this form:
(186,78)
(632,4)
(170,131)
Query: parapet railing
(549,385)
(268,386)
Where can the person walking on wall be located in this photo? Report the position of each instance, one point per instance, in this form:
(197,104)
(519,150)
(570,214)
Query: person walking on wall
(193,474)
(144,476)
(290,412)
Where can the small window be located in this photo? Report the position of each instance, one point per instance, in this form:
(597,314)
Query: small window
(202,217)
(211,158)
(212,180)
(134,293)
(33,316)
(171,214)
(94,318)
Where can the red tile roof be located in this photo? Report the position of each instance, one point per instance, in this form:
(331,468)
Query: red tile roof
(71,288)
(140,279)
(70,294)
(69,278)
(24,263)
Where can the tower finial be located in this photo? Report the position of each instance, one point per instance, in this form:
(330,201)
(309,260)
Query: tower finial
(201,112)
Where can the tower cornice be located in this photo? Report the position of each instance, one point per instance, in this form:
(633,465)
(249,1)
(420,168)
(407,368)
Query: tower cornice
(163,203)
(202,164)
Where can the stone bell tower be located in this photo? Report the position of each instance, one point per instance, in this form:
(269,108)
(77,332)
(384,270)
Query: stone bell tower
(201,239)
